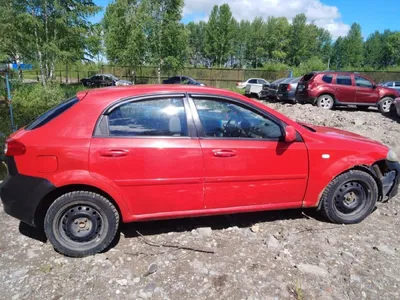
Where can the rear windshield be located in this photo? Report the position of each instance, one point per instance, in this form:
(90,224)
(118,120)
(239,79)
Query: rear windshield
(52,113)
(308,76)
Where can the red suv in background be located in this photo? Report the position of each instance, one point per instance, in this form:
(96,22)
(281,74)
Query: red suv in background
(327,89)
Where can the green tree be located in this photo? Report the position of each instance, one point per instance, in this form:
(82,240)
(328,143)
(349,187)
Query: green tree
(338,54)
(298,46)
(196,42)
(373,50)
(353,47)
(277,30)
(219,32)
(242,32)
(257,43)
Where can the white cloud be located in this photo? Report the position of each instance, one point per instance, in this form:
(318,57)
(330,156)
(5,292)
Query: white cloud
(323,15)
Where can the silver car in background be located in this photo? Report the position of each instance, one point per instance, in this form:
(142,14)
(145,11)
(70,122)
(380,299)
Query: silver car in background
(287,90)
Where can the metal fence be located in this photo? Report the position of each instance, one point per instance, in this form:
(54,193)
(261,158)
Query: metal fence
(223,78)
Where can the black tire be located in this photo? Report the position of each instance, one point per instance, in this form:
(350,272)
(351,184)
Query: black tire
(81,223)
(384,105)
(325,101)
(349,198)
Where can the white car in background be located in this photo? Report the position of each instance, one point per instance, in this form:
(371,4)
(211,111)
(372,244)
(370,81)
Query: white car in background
(253,86)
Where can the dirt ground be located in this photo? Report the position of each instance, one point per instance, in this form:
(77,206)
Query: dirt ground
(269,255)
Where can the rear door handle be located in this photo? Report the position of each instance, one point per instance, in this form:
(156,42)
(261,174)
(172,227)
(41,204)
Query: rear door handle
(114,153)
(224,152)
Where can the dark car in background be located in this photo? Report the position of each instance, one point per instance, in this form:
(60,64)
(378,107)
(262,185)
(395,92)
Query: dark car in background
(273,88)
(328,89)
(287,89)
(395,108)
(182,80)
(103,80)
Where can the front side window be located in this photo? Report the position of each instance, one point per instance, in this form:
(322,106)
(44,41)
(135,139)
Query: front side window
(252,81)
(343,80)
(223,119)
(362,82)
(159,117)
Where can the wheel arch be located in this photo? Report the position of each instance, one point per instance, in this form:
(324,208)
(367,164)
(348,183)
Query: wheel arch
(365,168)
(49,198)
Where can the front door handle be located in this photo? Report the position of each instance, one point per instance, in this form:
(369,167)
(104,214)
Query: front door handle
(114,153)
(224,152)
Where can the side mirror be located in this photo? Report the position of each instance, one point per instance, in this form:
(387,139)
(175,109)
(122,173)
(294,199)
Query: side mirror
(290,134)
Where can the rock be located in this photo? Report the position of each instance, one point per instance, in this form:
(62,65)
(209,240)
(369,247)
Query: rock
(272,242)
(61,261)
(122,281)
(358,122)
(312,269)
(354,278)
(204,231)
(232,228)
(150,287)
(151,269)
(255,228)
(99,258)
(16,297)
(117,292)
(136,280)
(199,267)
(385,249)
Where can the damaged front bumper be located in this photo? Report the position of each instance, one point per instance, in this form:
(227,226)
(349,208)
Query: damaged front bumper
(389,175)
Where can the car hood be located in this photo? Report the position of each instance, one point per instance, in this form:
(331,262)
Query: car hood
(334,132)
(388,90)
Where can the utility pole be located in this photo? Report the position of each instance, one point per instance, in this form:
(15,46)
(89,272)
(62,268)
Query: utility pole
(8,88)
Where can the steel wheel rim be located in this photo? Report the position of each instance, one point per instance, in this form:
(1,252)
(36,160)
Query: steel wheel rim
(70,219)
(351,198)
(325,102)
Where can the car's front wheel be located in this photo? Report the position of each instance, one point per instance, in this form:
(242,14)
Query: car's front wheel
(325,101)
(81,223)
(350,197)
(385,104)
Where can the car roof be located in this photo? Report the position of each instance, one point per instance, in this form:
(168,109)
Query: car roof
(111,94)
(278,80)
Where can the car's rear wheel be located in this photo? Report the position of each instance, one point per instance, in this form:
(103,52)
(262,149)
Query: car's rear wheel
(81,223)
(350,197)
(385,104)
(325,101)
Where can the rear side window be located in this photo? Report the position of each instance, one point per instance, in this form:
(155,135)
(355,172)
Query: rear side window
(160,117)
(327,78)
(253,81)
(343,80)
(397,84)
(308,77)
(52,113)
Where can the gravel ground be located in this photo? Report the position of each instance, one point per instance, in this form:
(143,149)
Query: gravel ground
(269,255)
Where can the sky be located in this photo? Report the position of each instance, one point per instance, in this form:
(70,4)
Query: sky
(333,15)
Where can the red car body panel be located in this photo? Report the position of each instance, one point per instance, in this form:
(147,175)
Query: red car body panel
(155,178)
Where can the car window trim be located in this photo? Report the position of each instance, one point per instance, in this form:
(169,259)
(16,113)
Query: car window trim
(200,128)
(192,133)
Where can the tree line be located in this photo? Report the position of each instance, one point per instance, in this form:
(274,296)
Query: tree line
(151,32)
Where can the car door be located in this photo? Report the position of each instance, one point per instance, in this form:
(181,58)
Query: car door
(345,91)
(146,148)
(397,85)
(365,91)
(246,162)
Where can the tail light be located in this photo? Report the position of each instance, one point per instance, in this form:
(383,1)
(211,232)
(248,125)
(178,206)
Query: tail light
(237,83)
(289,87)
(13,148)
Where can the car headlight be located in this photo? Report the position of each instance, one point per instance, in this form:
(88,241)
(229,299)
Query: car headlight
(392,156)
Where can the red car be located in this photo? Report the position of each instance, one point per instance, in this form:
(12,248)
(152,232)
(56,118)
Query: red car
(156,152)
(329,89)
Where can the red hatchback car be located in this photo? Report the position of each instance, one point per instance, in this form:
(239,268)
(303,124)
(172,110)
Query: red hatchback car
(153,152)
(329,89)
